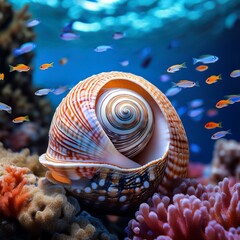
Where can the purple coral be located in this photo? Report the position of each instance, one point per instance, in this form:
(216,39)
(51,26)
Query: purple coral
(204,212)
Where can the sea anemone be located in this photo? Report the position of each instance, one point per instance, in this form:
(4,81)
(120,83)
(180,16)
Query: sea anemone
(204,212)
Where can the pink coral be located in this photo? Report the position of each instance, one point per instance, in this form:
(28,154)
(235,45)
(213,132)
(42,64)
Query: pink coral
(14,192)
(204,212)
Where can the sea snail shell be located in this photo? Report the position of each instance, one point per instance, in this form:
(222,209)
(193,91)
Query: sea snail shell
(113,140)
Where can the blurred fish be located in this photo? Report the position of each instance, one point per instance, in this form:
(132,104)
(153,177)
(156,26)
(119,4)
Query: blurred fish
(173,91)
(45,66)
(214,78)
(1,76)
(220,134)
(174,43)
(68,36)
(124,63)
(185,84)
(102,48)
(21,119)
(176,67)
(146,61)
(44,91)
(205,59)
(5,107)
(195,112)
(19,68)
(118,35)
(195,148)
(235,73)
(195,103)
(165,78)
(24,48)
(212,125)
(233,98)
(212,112)
(33,23)
(181,110)
(145,52)
(223,103)
(60,90)
(201,68)
(63,61)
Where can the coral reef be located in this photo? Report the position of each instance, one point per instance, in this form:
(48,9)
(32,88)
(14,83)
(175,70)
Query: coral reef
(203,212)
(37,207)
(226,160)
(16,89)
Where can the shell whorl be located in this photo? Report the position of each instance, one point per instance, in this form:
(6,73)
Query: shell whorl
(127,119)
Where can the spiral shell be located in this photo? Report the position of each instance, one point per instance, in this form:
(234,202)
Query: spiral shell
(113,140)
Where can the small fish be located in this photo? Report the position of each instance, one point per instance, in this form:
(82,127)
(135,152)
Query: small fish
(201,68)
(33,23)
(235,73)
(45,66)
(124,63)
(44,91)
(118,35)
(185,84)
(223,103)
(233,98)
(195,148)
(193,113)
(212,112)
(173,91)
(1,76)
(102,48)
(145,63)
(165,78)
(176,67)
(60,90)
(174,43)
(212,125)
(20,68)
(68,36)
(214,78)
(21,119)
(24,48)
(63,61)
(220,134)
(205,59)
(195,103)
(5,107)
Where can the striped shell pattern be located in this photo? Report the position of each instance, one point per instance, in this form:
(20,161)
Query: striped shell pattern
(113,140)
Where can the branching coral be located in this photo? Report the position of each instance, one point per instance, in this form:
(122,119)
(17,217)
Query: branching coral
(204,212)
(14,192)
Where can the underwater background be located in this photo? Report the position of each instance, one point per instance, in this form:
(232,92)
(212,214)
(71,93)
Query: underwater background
(155,35)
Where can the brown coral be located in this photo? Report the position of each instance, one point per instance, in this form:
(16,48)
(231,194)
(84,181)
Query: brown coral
(226,160)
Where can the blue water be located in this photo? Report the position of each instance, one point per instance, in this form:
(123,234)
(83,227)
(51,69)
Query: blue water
(214,31)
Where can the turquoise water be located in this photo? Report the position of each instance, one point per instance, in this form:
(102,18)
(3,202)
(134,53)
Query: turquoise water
(166,32)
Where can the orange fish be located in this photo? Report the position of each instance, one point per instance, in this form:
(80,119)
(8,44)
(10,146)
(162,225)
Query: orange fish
(213,79)
(21,119)
(1,76)
(46,66)
(201,68)
(212,125)
(223,103)
(20,68)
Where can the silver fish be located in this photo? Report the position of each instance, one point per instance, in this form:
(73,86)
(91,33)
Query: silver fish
(44,91)
(5,107)
(220,134)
